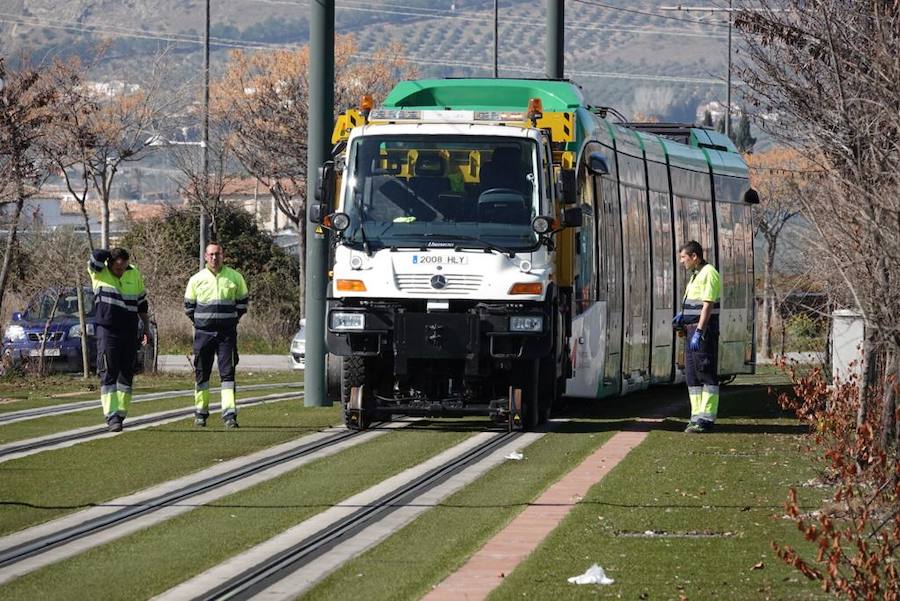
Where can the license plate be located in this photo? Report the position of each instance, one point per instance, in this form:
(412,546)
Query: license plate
(48,352)
(440,260)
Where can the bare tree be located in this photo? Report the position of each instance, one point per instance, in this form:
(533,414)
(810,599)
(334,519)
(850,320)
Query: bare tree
(103,126)
(778,176)
(26,107)
(204,188)
(263,99)
(829,70)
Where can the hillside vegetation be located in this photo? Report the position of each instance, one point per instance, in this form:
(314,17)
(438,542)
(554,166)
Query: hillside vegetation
(621,57)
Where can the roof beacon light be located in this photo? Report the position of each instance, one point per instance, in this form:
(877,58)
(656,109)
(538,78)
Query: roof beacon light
(365,105)
(535,109)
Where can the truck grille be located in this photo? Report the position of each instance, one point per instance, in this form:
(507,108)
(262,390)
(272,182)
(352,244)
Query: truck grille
(52,336)
(421,283)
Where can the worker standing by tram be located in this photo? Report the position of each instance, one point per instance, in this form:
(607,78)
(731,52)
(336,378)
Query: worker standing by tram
(119,300)
(215,299)
(699,317)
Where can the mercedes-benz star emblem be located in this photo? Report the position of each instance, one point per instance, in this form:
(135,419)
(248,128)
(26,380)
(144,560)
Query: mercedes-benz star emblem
(438,282)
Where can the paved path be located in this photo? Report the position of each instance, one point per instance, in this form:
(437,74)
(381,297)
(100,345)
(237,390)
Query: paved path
(247,363)
(486,570)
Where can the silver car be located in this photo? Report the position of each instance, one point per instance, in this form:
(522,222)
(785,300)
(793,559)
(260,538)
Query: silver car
(298,347)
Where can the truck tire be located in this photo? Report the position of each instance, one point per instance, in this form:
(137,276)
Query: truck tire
(355,374)
(548,387)
(528,382)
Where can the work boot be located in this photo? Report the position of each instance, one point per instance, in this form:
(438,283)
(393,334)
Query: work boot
(694,428)
(200,421)
(231,422)
(114,423)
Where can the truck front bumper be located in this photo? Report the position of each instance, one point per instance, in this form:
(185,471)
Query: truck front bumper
(474,333)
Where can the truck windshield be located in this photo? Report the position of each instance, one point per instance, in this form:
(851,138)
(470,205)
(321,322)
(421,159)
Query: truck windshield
(459,191)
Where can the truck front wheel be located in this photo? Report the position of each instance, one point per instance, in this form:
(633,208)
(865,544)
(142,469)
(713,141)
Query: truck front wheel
(356,373)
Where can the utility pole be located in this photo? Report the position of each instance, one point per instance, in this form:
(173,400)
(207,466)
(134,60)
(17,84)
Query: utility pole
(556,38)
(321,118)
(204,144)
(730,11)
(496,39)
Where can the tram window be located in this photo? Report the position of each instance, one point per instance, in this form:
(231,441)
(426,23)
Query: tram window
(585,243)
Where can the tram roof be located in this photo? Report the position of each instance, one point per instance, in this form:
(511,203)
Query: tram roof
(485,94)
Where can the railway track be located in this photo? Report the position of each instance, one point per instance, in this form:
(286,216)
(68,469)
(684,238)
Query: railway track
(35,413)
(23,448)
(291,562)
(48,543)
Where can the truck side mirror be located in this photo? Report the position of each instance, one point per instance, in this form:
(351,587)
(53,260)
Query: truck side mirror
(571,217)
(567,186)
(324,192)
(17,316)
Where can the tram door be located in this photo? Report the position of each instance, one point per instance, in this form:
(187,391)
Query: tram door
(663,269)
(636,269)
(611,280)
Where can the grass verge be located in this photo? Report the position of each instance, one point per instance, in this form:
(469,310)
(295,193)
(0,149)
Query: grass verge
(47,485)
(53,424)
(171,552)
(685,517)
(32,392)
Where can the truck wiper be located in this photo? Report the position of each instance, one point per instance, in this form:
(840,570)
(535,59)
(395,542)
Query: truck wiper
(482,243)
(365,241)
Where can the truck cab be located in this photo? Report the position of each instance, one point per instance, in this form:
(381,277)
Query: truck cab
(445,294)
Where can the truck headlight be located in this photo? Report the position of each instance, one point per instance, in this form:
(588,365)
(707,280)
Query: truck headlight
(14,333)
(75,331)
(341,322)
(526,323)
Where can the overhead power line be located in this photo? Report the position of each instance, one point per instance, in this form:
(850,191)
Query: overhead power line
(649,14)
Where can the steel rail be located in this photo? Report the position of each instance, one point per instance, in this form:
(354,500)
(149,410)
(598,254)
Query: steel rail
(34,413)
(42,544)
(259,577)
(32,445)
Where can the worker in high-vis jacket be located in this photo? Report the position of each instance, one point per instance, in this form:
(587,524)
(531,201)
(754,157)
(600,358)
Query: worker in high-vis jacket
(119,300)
(215,299)
(699,320)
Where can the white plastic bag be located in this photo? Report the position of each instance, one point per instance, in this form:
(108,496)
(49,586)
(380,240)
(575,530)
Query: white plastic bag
(593,575)
(515,456)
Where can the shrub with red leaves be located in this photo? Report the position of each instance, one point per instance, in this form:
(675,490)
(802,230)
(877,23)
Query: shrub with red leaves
(856,533)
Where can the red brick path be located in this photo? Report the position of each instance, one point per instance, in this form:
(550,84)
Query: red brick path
(486,569)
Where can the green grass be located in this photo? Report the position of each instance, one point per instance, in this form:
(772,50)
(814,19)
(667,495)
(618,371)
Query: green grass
(153,560)
(714,502)
(47,485)
(43,426)
(30,392)
(420,555)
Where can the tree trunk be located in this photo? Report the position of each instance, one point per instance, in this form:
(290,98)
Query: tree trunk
(85,362)
(866,374)
(42,363)
(889,407)
(768,300)
(13,230)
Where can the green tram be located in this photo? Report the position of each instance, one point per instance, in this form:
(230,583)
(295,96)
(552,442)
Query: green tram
(498,243)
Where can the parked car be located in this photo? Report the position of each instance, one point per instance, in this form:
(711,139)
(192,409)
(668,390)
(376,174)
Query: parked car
(62,352)
(298,347)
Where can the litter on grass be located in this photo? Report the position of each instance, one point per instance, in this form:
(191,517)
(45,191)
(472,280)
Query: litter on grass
(593,575)
(515,456)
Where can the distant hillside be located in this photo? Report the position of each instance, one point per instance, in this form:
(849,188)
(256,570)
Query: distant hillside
(650,65)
